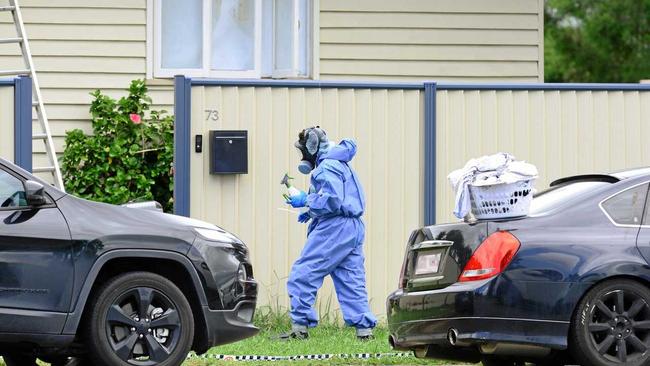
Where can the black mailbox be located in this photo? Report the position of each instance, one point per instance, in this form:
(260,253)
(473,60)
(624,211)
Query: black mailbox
(228,152)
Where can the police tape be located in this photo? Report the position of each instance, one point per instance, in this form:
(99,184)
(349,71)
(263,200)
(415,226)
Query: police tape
(327,356)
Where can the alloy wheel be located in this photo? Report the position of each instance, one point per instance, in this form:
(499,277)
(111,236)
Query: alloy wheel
(619,326)
(143,326)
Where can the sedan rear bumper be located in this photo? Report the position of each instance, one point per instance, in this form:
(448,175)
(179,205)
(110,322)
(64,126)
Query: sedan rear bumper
(551,334)
(474,312)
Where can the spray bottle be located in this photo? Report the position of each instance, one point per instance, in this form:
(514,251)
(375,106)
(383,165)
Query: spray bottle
(291,190)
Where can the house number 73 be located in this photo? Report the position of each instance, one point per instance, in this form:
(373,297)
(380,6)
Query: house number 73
(212,114)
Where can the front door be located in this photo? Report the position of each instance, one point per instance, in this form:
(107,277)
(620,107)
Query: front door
(36,268)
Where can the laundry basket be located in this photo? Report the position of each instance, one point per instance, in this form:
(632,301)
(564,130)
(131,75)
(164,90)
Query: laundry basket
(501,200)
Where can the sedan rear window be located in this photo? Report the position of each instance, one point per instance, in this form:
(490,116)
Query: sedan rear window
(555,196)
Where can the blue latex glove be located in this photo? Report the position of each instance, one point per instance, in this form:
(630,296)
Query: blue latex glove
(304,217)
(299,200)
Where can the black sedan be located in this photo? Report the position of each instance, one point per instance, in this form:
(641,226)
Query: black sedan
(567,283)
(113,285)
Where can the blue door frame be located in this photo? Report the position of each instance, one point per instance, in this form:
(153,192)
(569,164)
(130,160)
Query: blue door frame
(22,119)
(182,126)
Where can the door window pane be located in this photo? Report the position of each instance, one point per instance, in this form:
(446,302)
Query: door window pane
(626,208)
(182,34)
(12,193)
(233,35)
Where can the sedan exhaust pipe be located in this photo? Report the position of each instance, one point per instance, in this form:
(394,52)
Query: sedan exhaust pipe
(396,346)
(452,336)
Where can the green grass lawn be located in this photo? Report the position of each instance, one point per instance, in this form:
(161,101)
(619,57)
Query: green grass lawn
(322,340)
(328,338)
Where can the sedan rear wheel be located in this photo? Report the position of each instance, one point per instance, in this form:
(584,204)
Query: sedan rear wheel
(612,325)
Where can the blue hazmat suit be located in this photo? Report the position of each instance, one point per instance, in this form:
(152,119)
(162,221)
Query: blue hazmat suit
(334,242)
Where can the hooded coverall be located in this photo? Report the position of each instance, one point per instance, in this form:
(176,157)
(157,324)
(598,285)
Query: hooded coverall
(334,242)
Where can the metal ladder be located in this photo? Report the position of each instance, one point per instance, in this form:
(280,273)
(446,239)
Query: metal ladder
(37,103)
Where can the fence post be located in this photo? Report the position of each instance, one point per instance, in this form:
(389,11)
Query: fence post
(429,153)
(23,122)
(182,124)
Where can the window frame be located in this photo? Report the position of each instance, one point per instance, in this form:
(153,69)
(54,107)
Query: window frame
(205,71)
(154,43)
(645,206)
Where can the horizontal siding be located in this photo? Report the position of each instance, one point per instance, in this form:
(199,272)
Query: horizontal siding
(7,122)
(125,49)
(562,132)
(80,46)
(440,6)
(75,15)
(76,32)
(444,20)
(408,52)
(419,40)
(387,125)
(77,64)
(84,4)
(468,37)
(419,78)
(88,80)
(447,68)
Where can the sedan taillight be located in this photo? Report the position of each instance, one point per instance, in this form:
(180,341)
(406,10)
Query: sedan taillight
(402,275)
(491,258)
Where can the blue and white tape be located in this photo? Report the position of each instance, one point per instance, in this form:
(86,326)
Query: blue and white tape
(327,356)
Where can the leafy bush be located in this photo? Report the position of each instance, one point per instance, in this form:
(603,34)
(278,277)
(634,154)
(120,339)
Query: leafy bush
(128,157)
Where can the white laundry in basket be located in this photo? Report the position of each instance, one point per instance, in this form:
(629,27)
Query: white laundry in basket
(501,200)
(490,170)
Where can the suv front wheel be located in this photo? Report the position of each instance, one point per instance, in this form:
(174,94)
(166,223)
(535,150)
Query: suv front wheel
(139,318)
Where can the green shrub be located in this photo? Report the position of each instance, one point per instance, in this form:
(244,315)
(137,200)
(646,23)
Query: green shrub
(128,157)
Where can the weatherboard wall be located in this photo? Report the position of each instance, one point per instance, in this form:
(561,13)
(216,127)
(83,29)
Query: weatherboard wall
(432,40)
(387,125)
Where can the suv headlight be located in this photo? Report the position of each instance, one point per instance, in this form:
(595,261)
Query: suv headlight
(242,276)
(217,235)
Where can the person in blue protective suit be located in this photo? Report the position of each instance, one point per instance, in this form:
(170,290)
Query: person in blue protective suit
(334,238)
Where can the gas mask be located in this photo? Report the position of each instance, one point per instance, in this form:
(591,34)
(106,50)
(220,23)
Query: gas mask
(309,144)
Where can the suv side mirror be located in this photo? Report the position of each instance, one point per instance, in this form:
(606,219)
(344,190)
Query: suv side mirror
(34,193)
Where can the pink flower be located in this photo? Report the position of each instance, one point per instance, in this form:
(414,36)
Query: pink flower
(135,118)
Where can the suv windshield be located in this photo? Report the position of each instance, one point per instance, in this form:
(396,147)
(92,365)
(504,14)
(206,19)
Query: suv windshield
(556,196)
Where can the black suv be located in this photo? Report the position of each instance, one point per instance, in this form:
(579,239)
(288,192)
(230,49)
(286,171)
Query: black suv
(113,285)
